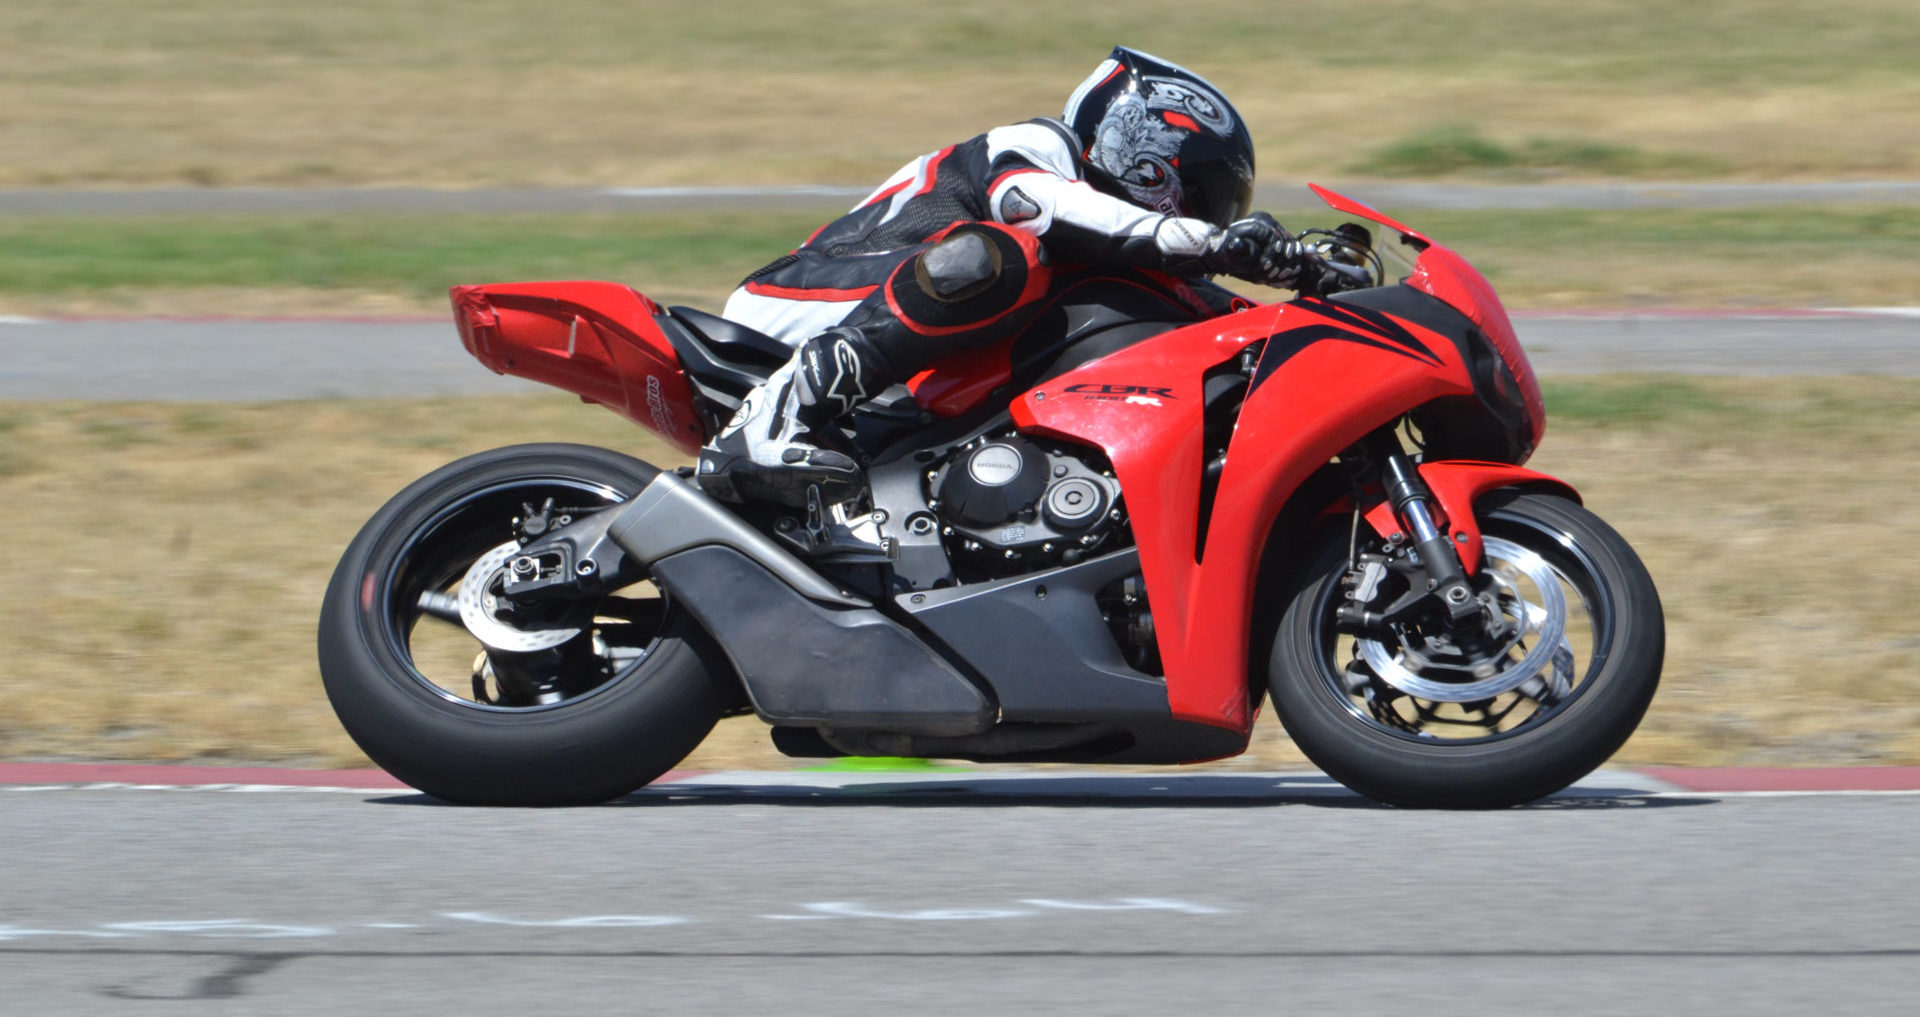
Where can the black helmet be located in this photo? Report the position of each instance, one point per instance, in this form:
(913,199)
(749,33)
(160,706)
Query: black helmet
(1158,135)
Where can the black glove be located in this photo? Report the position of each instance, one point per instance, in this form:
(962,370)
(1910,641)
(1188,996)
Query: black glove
(1257,249)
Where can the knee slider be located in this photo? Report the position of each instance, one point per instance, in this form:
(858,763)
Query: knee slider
(975,273)
(963,265)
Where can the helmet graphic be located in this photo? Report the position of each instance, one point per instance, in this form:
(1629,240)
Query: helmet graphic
(1162,137)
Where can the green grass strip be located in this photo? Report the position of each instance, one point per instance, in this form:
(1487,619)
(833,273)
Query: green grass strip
(1779,254)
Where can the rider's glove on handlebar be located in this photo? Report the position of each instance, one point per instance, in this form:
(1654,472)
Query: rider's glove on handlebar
(1257,249)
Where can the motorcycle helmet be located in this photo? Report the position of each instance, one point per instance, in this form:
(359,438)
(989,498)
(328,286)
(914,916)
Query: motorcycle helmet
(1161,137)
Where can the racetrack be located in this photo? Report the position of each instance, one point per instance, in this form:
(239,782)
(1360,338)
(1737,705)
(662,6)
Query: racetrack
(970,893)
(245,360)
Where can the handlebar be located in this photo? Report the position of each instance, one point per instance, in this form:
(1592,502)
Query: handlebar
(1338,260)
(1355,276)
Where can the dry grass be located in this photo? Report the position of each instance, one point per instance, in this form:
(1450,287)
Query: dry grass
(169,561)
(611,91)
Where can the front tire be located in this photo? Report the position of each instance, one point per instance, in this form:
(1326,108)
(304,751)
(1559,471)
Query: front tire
(612,709)
(1396,748)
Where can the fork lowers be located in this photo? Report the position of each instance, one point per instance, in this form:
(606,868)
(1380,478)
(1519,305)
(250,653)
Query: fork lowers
(1446,576)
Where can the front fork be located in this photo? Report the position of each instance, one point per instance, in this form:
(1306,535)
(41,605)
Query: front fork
(1433,566)
(1446,574)
(1423,504)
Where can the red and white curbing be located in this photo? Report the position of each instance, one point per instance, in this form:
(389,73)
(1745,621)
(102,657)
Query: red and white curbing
(1639,782)
(1787,780)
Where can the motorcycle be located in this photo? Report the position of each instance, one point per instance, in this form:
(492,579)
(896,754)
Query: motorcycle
(1101,541)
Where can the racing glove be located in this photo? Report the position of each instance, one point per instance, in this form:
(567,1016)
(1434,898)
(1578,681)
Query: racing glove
(1257,249)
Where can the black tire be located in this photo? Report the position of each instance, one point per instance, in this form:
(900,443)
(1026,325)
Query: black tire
(639,721)
(1554,747)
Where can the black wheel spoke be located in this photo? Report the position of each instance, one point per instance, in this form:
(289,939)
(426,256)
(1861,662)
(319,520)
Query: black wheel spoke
(443,606)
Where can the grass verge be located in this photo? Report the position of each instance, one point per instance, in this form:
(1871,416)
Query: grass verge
(170,561)
(1458,148)
(1792,255)
(212,93)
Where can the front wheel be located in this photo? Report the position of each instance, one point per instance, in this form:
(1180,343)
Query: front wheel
(1410,714)
(587,703)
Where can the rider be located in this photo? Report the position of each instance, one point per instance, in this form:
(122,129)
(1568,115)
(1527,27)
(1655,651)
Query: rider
(1149,167)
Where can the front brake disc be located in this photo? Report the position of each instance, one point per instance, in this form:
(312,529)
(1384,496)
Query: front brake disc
(1545,623)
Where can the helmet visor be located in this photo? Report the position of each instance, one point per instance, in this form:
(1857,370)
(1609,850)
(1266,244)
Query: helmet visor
(1220,194)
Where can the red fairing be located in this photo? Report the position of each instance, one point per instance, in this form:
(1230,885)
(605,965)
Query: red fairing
(596,339)
(1143,406)
(1312,398)
(1342,203)
(1456,485)
(1447,277)
(956,384)
(1321,385)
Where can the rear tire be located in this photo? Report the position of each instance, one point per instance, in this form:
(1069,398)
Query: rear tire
(613,733)
(1554,745)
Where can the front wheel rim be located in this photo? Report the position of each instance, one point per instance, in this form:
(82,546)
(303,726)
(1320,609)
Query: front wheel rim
(1555,669)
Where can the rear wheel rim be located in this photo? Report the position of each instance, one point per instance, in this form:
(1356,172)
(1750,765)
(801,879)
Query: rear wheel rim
(441,657)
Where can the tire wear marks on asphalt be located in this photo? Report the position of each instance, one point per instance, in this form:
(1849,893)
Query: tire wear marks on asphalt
(227,983)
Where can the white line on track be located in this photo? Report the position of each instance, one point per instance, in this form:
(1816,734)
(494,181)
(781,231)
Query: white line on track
(808,190)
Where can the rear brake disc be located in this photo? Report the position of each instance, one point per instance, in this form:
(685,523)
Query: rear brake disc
(480,606)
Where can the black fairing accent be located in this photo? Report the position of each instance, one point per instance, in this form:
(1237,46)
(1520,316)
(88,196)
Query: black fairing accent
(1093,318)
(1224,389)
(808,664)
(720,382)
(1491,425)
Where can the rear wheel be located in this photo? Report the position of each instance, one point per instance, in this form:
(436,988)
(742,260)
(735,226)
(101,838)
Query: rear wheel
(594,699)
(1412,715)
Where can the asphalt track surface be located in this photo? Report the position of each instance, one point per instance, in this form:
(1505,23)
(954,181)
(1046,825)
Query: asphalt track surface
(958,893)
(251,360)
(1389,196)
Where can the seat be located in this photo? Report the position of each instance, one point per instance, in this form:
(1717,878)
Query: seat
(732,340)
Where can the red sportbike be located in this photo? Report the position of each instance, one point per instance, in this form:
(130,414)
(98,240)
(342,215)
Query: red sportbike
(1101,541)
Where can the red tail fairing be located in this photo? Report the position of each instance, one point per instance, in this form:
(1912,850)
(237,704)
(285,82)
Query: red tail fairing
(598,340)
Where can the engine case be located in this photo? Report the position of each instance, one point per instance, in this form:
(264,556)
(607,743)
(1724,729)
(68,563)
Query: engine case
(1007,504)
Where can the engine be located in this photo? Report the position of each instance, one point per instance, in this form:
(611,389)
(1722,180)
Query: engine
(1007,505)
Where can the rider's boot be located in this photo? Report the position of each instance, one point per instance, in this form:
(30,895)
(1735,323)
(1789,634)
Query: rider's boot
(769,451)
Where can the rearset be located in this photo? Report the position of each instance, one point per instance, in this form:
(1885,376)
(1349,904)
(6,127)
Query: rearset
(841,534)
